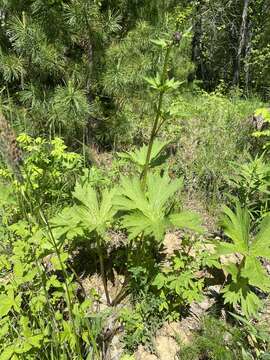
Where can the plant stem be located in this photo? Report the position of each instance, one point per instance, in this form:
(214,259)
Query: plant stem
(103,273)
(69,302)
(156,126)
(41,272)
(43,218)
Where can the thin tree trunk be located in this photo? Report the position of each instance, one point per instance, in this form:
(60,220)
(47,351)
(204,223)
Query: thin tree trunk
(242,37)
(247,54)
(197,56)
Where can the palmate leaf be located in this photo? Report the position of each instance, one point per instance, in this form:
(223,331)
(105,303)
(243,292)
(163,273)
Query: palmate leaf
(147,211)
(138,156)
(87,196)
(250,271)
(137,223)
(187,219)
(261,243)
(223,248)
(256,274)
(240,293)
(67,223)
(95,212)
(233,270)
(154,82)
(131,196)
(236,226)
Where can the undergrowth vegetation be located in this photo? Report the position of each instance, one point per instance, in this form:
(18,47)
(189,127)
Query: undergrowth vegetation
(131,195)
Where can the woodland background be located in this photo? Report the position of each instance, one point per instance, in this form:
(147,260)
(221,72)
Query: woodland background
(134,179)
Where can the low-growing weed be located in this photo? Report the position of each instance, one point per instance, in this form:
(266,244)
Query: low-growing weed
(216,340)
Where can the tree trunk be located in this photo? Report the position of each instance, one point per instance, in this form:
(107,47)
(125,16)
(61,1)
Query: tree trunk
(197,53)
(242,37)
(247,54)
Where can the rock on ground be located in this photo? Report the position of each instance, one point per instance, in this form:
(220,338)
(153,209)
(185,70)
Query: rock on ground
(167,348)
(142,354)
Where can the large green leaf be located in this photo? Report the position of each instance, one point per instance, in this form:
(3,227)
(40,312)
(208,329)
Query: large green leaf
(250,272)
(147,211)
(161,189)
(137,222)
(187,220)
(223,248)
(256,274)
(261,243)
(6,305)
(131,197)
(67,223)
(233,270)
(138,156)
(236,227)
(87,196)
(7,302)
(95,212)
(240,293)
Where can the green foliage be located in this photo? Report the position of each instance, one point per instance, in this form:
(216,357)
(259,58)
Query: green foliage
(138,156)
(216,340)
(210,131)
(149,212)
(177,283)
(73,65)
(264,112)
(33,302)
(250,183)
(259,54)
(156,83)
(107,75)
(141,322)
(250,272)
(94,212)
(69,106)
(50,168)
(41,310)
(94,215)
(257,337)
(230,44)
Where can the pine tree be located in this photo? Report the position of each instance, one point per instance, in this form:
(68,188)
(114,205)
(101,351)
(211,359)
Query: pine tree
(76,68)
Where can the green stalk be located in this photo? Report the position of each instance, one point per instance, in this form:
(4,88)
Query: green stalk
(103,273)
(86,319)
(41,272)
(43,218)
(68,296)
(156,124)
